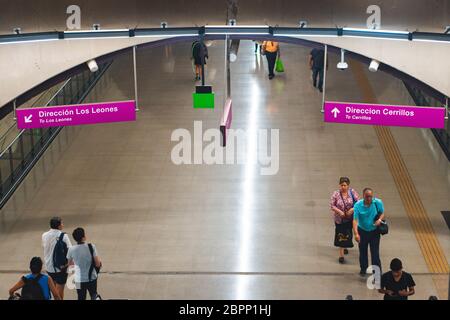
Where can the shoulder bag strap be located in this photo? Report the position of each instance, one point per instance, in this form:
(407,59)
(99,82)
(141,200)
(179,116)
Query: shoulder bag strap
(376,207)
(343,201)
(353,197)
(91,268)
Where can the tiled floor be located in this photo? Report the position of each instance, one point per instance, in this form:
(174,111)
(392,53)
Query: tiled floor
(224,231)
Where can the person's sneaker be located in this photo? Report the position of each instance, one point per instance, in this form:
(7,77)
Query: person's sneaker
(341,260)
(314,84)
(320,89)
(362,273)
(345,251)
(271,77)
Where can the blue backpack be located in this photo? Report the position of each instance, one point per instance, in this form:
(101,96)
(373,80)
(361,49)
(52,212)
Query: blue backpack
(60,254)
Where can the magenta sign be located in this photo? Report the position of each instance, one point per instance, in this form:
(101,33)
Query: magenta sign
(74,115)
(384,115)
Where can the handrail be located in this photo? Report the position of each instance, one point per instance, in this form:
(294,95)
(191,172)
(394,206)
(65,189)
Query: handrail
(225,30)
(18,172)
(11,144)
(3,137)
(22,131)
(57,92)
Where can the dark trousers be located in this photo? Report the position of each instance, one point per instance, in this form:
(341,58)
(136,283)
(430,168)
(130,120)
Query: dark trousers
(271,58)
(83,287)
(317,72)
(369,239)
(256,46)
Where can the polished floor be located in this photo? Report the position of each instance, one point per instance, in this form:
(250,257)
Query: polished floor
(225,231)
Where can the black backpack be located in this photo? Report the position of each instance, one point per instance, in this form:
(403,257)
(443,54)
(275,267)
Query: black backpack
(32,290)
(60,254)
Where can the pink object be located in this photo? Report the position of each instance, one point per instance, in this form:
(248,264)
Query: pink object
(384,115)
(227,114)
(225,122)
(74,115)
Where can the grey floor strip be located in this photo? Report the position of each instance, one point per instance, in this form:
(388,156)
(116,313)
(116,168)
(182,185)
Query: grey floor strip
(220,273)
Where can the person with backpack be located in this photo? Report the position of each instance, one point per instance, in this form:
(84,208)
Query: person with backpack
(35,286)
(368,217)
(271,50)
(87,265)
(199,54)
(56,244)
(342,202)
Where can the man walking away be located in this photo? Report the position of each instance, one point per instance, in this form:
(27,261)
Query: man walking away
(368,215)
(199,55)
(316,64)
(272,51)
(56,244)
(87,265)
(397,284)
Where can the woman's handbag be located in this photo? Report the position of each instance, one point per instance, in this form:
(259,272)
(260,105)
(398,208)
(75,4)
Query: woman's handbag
(343,237)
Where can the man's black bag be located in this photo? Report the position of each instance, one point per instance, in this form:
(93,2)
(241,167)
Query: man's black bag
(383,228)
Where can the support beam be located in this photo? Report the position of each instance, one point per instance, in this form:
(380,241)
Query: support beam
(135,79)
(324,77)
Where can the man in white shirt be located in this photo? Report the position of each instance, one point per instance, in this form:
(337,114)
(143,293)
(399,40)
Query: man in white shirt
(49,240)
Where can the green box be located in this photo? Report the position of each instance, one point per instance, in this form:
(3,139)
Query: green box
(203,100)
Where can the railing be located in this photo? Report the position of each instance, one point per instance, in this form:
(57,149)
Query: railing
(43,99)
(224,30)
(19,156)
(421,99)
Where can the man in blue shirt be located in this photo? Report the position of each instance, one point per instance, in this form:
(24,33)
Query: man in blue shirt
(368,215)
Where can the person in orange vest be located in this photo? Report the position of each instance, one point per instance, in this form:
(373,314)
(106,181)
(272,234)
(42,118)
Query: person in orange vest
(272,50)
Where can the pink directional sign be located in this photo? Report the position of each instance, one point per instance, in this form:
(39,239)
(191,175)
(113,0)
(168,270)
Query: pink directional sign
(225,121)
(227,114)
(384,115)
(74,115)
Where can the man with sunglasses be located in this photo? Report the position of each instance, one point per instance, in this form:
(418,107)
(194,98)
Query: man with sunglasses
(368,215)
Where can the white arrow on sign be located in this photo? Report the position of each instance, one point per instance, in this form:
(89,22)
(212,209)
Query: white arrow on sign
(335,112)
(28,119)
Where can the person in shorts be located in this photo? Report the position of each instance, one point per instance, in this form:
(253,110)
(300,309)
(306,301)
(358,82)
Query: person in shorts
(49,240)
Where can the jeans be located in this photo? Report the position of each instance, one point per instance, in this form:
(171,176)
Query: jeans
(317,72)
(369,239)
(271,58)
(87,286)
